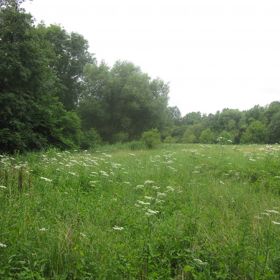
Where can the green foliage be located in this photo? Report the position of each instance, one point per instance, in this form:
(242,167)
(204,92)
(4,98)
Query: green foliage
(68,57)
(30,111)
(151,138)
(52,89)
(176,212)
(31,116)
(189,137)
(274,128)
(122,102)
(192,133)
(255,133)
(169,139)
(90,139)
(136,145)
(225,138)
(207,136)
(121,137)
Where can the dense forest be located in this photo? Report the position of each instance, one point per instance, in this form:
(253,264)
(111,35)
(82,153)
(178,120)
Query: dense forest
(53,92)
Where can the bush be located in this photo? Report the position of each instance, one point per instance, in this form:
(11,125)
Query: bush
(207,136)
(151,138)
(225,138)
(90,139)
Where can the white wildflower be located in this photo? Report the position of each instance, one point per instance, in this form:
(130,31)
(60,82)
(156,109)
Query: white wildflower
(106,155)
(265,214)
(275,223)
(46,179)
(143,203)
(147,182)
(3,187)
(172,168)
(2,245)
(104,173)
(170,189)
(221,182)
(72,173)
(82,234)
(43,229)
(272,211)
(155,187)
(200,262)
(139,187)
(118,228)
(131,154)
(160,194)
(151,212)
(148,197)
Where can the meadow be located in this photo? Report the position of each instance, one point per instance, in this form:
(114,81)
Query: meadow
(174,212)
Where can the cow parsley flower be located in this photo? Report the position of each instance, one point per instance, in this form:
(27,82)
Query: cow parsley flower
(151,212)
(46,179)
(118,228)
(2,245)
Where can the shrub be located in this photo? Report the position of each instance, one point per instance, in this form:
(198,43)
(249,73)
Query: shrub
(151,138)
(90,139)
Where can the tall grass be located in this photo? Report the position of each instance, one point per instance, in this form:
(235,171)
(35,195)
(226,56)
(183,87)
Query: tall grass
(176,212)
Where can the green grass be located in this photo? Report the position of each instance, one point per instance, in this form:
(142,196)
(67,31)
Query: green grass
(176,212)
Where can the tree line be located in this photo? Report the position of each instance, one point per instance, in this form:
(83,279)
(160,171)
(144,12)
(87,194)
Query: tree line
(53,92)
(258,125)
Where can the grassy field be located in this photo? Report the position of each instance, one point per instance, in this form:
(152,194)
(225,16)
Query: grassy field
(176,212)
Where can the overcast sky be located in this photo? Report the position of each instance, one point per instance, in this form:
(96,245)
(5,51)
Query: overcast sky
(215,54)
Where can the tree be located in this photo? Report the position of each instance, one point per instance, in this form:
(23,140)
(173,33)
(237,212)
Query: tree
(192,118)
(207,136)
(31,116)
(274,128)
(255,133)
(15,4)
(68,57)
(122,102)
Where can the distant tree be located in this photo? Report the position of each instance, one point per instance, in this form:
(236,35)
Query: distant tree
(174,114)
(189,136)
(255,113)
(192,118)
(207,136)
(225,137)
(274,128)
(122,102)
(255,133)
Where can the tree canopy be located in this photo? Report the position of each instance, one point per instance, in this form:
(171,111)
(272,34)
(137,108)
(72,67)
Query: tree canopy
(53,92)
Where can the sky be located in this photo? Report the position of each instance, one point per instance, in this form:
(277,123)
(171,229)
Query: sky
(214,54)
